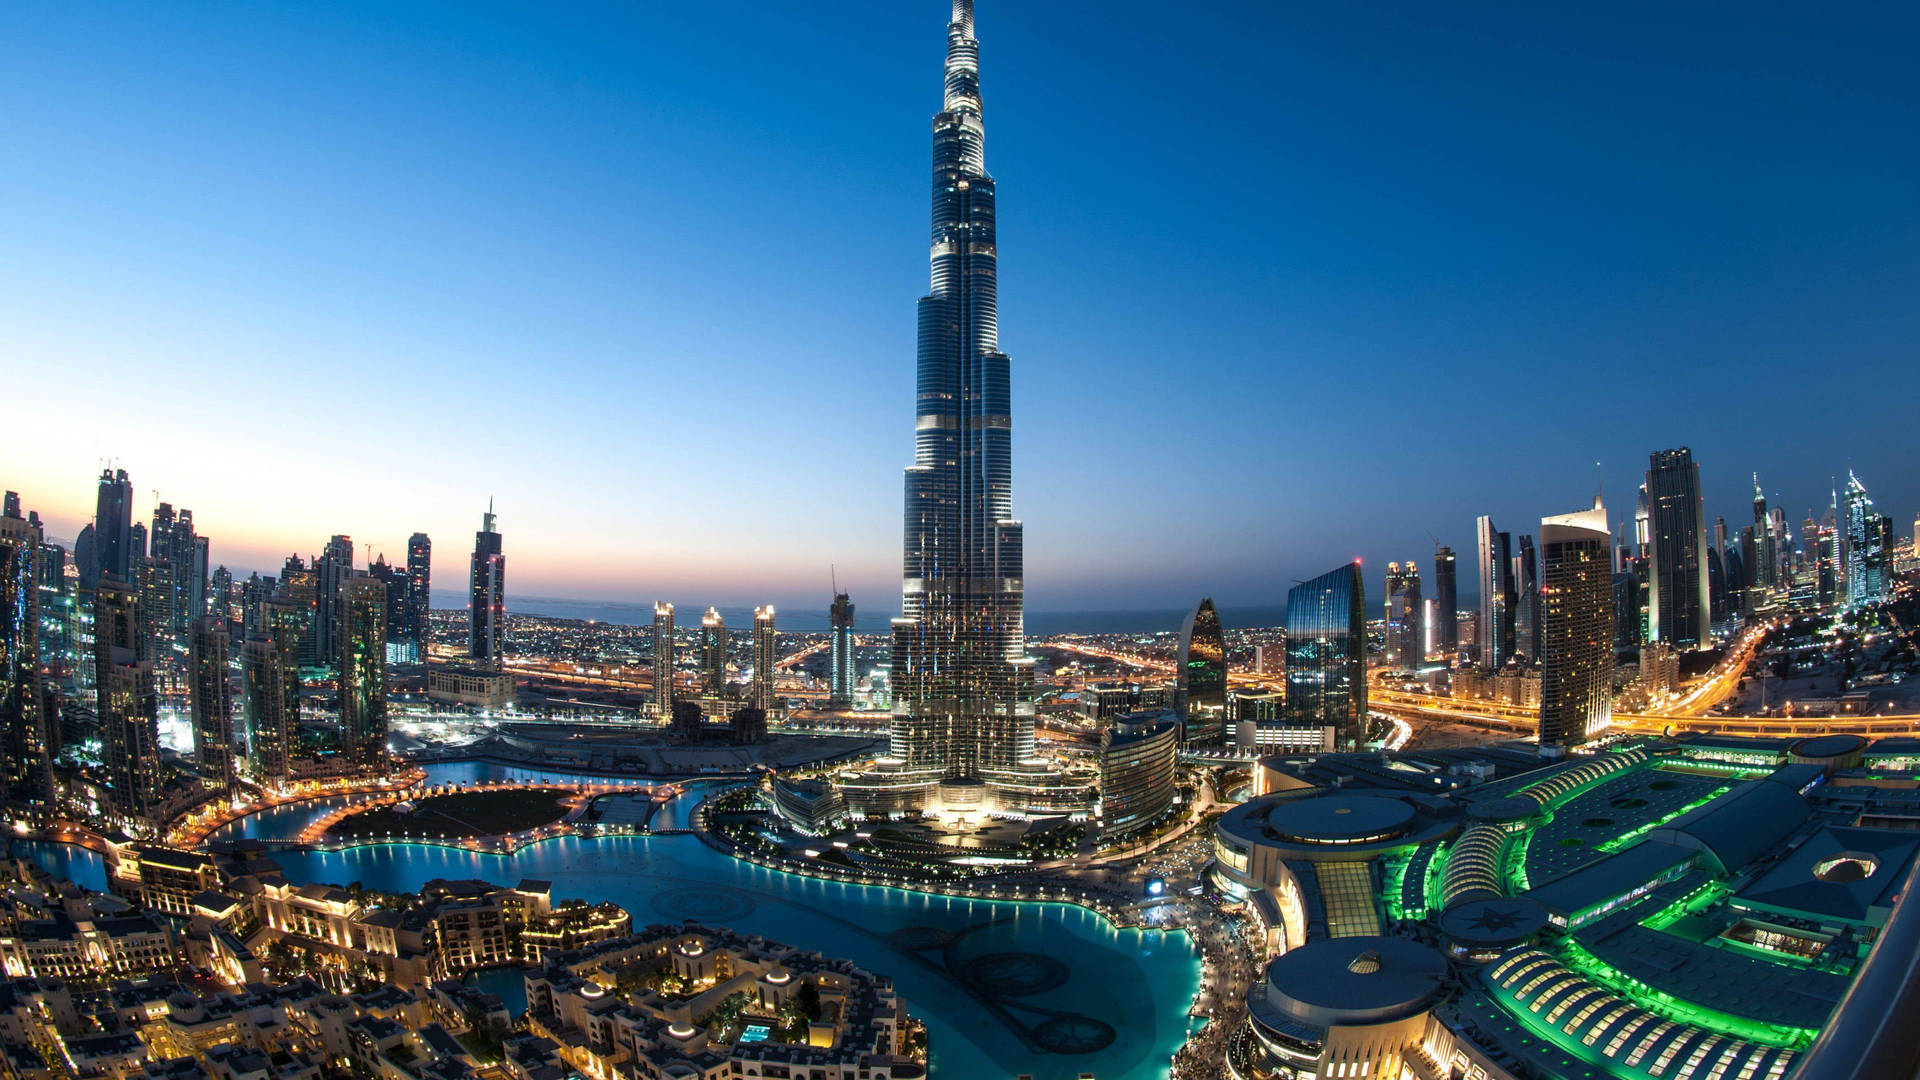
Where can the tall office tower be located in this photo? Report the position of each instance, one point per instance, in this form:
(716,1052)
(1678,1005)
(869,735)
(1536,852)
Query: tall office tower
(1202,679)
(1764,564)
(1496,631)
(212,688)
(299,588)
(713,652)
(840,677)
(1626,609)
(1576,678)
(1327,655)
(331,569)
(125,703)
(158,596)
(1406,646)
(57,587)
(86,556)
(112,530)
(419,595)
(137,545)
(1678,569)
(766,653)
(363,672)
(1916,537)
(1782,542)
(1526,611)
(963,710)
(663,658)
(1867,569)
(395,580)
(272,690)
(1446,595)
(26,739)
(1642,524)
(487,601)
(220,599)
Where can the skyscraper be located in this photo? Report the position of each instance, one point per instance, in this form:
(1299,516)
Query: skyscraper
(299,588)
(211,686)
(112,529)
(487,601)
(1577,627)
(362,668)
(334,567)
(1526,610)
(1764,565)
(713,652)
(1678,598)
(1446,596)
(26,741)
(1327,655)
(663,659)
(1496,630)
(1202,676)
(1406,647)
(419,596)
(1868,568)
(126,704)
(961,680)
(766,653)
(271,684)
(840,676)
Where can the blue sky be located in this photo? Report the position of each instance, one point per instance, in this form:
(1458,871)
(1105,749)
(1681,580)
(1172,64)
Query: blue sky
(1283,284)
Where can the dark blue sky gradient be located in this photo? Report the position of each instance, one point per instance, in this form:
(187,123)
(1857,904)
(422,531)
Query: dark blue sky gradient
(1283,284)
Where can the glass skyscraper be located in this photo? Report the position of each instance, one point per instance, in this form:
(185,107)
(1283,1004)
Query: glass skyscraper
(963,714)
(1202,676)
(487,601)
(1677,573)
(1327,655)
(840,676)
(1446,614)
(1577,627)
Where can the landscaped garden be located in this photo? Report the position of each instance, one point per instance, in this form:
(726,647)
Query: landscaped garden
(459,815)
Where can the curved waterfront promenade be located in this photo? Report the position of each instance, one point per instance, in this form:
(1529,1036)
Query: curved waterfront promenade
(1006,987)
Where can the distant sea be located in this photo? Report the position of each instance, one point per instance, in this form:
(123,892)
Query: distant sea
(1039,623)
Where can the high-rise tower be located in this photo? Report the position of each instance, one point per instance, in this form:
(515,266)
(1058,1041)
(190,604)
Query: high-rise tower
(419,594)
(1577,627)
(1497,600)
(487,601)
(1677,572)
(713,652)
(362,667)
(335,568)
(840,653)
(1202,676)
(663,659)
(112,530)
(211,687)
(766,652)
(26,744)
(962,708)
(1445,633)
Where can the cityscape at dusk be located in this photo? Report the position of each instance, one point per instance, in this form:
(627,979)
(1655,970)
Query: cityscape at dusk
(1424,588)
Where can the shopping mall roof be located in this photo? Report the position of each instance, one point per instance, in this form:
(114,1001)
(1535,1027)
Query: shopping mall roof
(1615,876)
(1838,873)
(1740,826)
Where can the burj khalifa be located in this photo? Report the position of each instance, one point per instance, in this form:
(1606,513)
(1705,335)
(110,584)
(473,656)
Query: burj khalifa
(963,720)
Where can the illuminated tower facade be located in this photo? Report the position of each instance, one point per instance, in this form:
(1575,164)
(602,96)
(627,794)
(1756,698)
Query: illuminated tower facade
(1202,677)
(766,653)
(413,636)
(713,652)
(363,672)
(211,687)
(1406,647)
(1577,627)
(840,653)
(126,703)
(663,659)
(963,715)
(1445,633)
(26,743)
(1327,655)
(1677,572)
(487,600)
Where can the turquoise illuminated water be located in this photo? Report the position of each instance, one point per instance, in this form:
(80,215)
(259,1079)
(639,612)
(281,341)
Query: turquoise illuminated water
(980,973)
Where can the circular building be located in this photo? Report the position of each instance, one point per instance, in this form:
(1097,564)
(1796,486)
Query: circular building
(1353,999)
(1480,930)
(1830,752)
(1254,839)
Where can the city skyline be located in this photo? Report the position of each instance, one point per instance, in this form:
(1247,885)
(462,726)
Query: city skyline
(1649,266)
